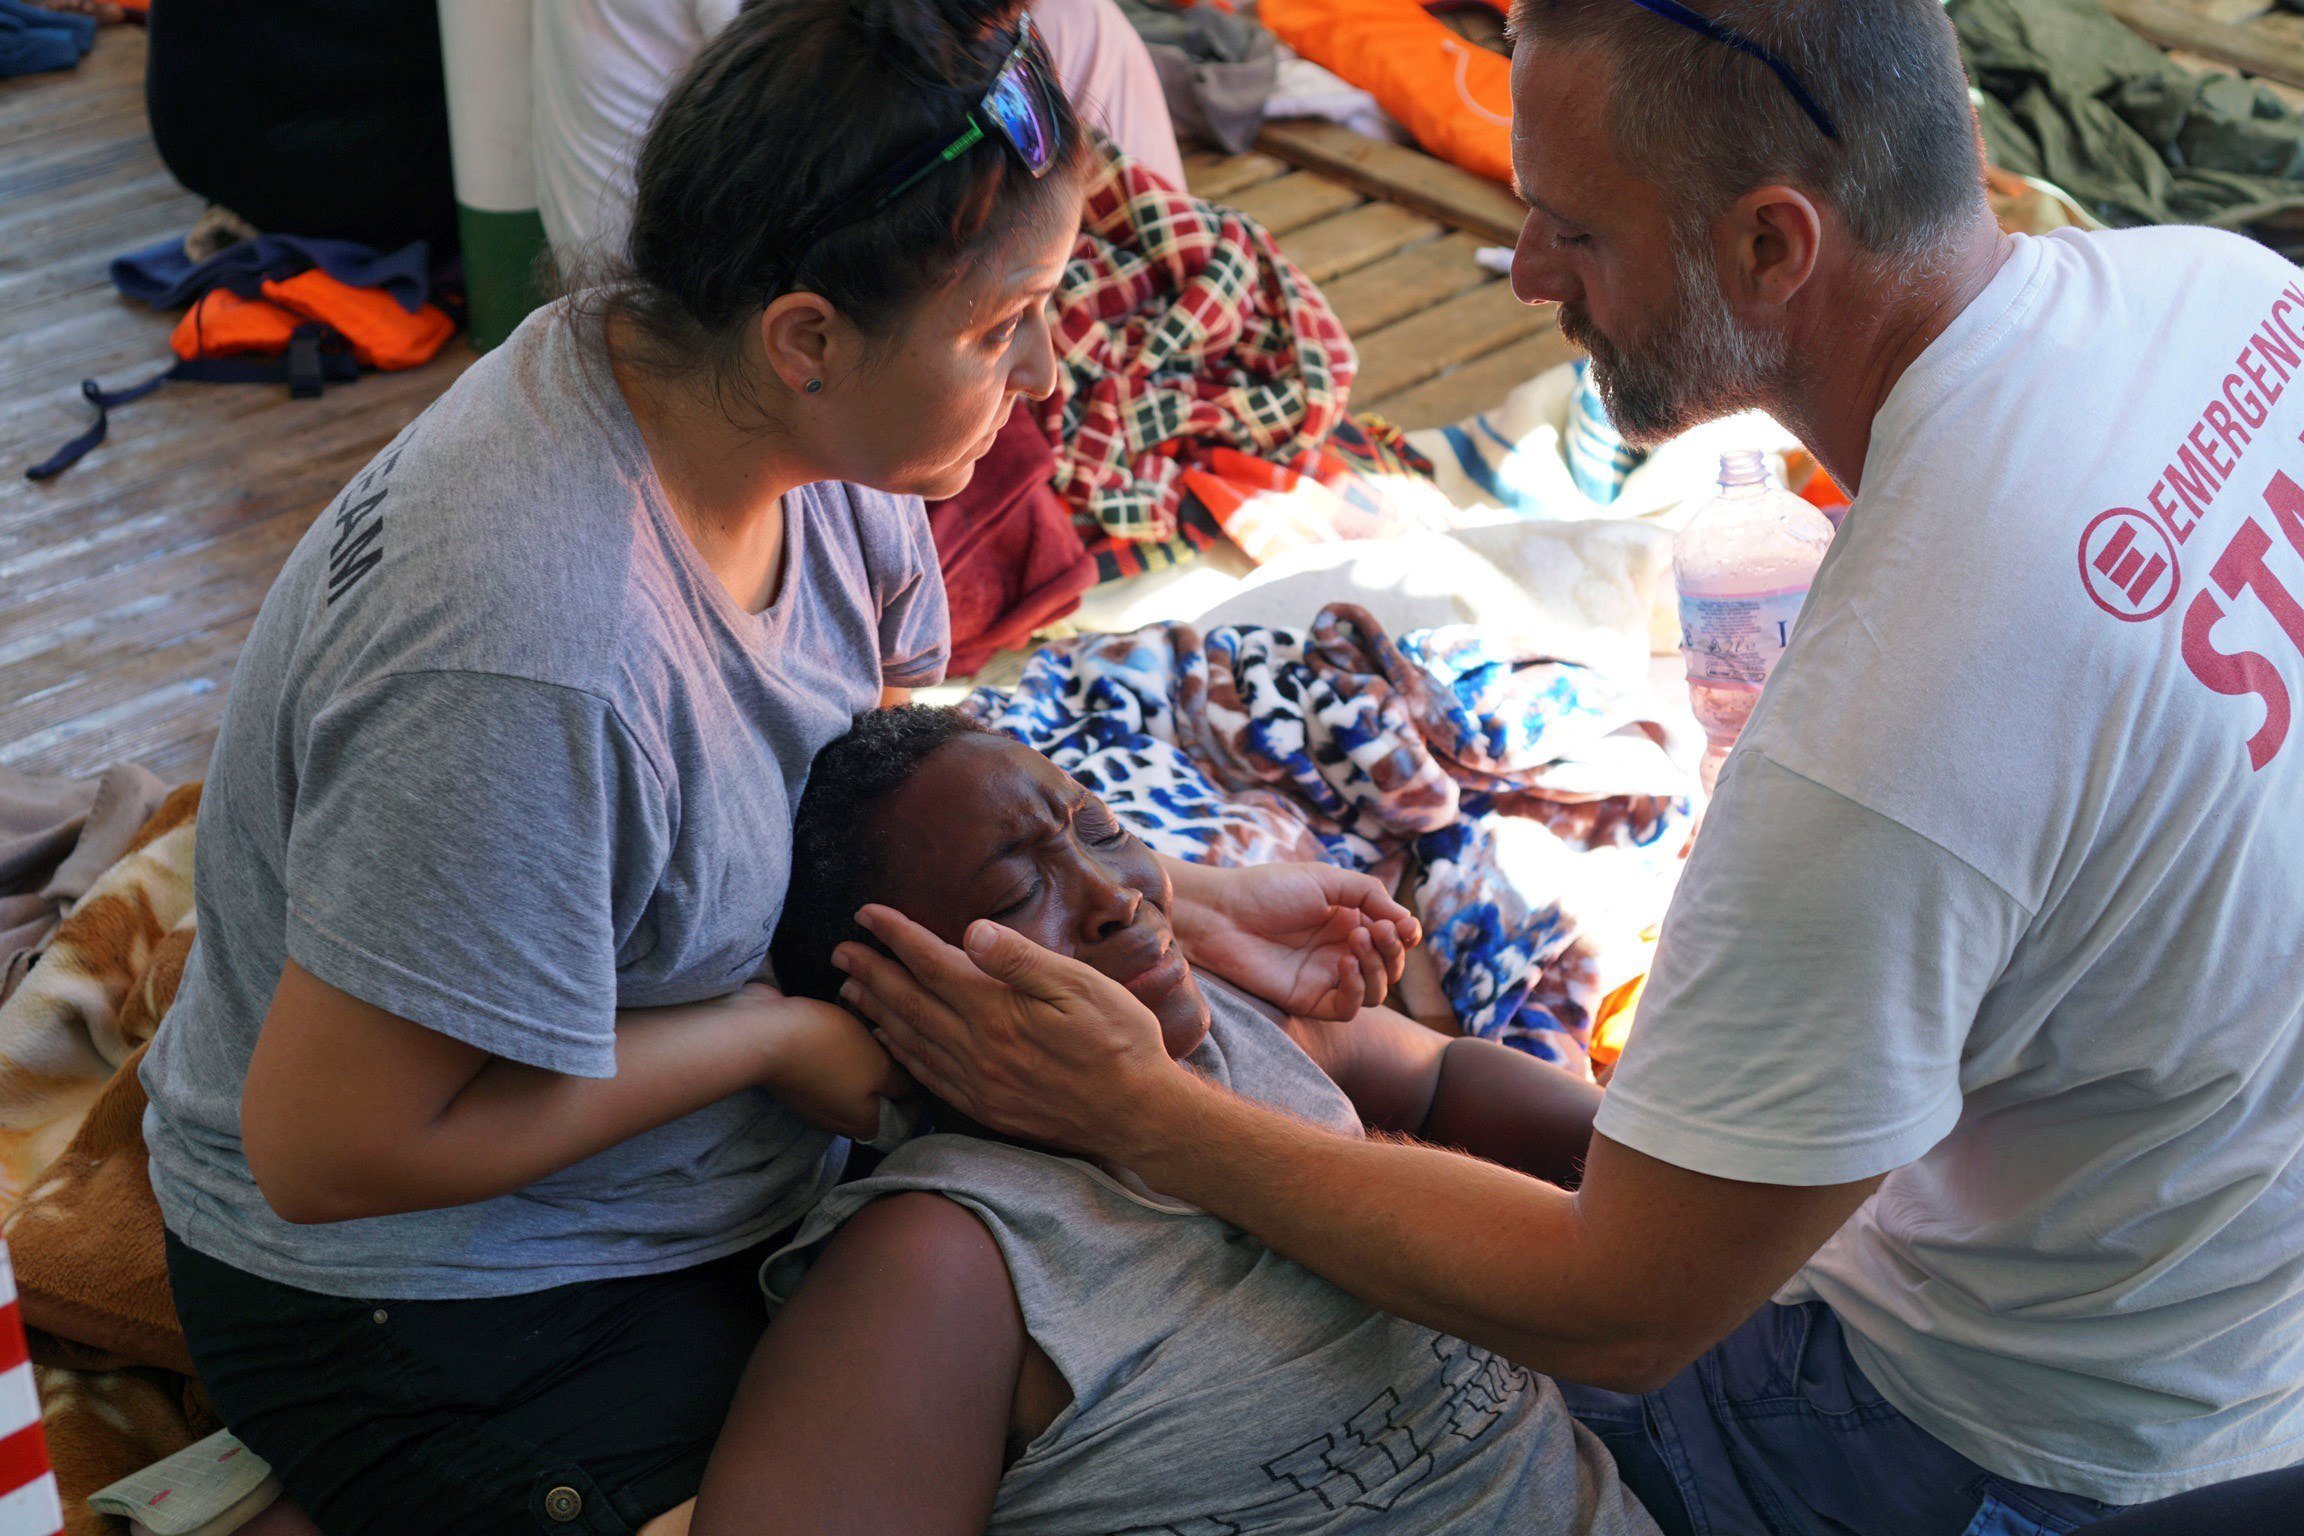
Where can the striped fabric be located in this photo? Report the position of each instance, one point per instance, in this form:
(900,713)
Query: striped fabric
(1599,460)
(29,1504)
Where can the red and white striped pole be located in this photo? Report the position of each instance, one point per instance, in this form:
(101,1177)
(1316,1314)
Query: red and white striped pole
(29,1503)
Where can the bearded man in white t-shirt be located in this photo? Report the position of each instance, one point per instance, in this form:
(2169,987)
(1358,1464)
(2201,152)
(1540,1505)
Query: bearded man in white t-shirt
(1954,1177)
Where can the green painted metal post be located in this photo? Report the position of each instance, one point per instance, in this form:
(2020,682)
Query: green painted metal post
(484,47)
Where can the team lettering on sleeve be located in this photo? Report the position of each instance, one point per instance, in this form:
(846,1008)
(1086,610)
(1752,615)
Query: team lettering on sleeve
(2130,559)
(358,547)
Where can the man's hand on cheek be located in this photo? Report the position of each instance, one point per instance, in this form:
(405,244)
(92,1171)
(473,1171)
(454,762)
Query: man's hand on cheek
(1013,1036)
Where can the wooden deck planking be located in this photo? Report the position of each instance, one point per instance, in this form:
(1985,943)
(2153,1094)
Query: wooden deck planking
(128,584)
(1448,335)
(1478,385)
(1398,286)
(1400,175)
(1217,177)
(1348,241)
(1439,337)
(1292,201)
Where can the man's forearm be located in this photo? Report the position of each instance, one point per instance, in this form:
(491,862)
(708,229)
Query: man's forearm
(1619,1284)
(1458,1245)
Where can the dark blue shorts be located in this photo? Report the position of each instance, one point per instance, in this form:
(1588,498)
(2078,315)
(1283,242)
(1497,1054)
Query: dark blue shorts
(585,1410)
(1777,1433)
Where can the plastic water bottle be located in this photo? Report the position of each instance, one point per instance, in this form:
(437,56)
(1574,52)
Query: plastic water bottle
(1742,564)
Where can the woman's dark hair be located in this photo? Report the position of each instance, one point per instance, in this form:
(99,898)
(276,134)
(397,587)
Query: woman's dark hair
(785,114)
(834,870)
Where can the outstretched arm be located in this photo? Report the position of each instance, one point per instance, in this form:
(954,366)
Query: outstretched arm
(880,1399)
(1619,1284)
(1473,1095)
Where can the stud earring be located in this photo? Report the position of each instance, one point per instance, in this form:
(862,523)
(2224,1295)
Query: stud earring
(815,386)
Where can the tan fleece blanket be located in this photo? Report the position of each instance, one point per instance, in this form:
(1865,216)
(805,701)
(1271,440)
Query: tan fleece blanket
(82,1226)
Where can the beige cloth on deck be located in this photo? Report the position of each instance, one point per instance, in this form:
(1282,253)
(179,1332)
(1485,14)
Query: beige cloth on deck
(56,837)
(84,1231)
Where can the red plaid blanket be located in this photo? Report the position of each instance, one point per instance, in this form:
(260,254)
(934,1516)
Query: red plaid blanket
(1181,327)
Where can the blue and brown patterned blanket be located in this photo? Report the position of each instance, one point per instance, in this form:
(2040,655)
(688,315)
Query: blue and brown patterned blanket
(1525,802)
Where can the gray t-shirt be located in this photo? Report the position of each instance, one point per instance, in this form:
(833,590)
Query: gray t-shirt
(502,757)
(1220,1388)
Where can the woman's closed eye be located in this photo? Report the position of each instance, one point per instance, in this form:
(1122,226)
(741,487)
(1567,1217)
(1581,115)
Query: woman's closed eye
(1098,825)
(1017,901)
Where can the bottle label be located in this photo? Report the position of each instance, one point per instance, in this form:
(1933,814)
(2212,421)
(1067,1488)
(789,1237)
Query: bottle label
(1732,639)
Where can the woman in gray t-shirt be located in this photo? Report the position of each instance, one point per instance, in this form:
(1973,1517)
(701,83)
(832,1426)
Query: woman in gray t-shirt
(471,1107)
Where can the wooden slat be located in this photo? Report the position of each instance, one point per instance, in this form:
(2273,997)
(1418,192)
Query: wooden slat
(128,585)
(1352,239)
(2271,47)
(1294,200)
(2291,94)
(1398,174)
(165,715)
(237,479)
(157,442)
(2228,12)
(102,115)
(1418,278)
(1475,387)
(1410,351)
(32,104)
(1217,177)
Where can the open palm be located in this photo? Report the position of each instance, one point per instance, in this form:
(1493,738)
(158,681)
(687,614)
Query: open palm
(1318,941)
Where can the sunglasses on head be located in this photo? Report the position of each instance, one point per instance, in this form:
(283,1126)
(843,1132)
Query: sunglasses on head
(1705,26)
(1018,109)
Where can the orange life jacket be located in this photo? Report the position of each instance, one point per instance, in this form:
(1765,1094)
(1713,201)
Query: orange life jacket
(383,335)
(223,324)
(1454,96)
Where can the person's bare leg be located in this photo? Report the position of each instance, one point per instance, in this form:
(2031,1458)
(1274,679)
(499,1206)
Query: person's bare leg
(881,1397)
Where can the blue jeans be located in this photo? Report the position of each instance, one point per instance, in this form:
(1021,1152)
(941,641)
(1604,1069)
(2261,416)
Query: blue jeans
(1777,1433)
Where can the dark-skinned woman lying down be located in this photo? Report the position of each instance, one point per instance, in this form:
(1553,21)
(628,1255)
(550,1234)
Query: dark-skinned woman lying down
(998,1338)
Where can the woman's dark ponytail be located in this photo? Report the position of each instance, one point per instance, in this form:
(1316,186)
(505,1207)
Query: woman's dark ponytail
(792,108)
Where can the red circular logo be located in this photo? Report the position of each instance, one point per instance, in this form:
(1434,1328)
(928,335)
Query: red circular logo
(2128,563)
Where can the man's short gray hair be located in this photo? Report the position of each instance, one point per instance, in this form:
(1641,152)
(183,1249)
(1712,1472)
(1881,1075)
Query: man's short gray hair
(1708,123)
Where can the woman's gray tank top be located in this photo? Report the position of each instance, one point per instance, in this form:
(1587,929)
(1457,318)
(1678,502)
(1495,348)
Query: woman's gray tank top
(1221,1390)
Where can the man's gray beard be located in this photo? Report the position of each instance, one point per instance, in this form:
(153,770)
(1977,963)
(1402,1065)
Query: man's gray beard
(1699,366)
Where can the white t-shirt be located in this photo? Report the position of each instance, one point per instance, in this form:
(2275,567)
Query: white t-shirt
(601,68)
(2004,885)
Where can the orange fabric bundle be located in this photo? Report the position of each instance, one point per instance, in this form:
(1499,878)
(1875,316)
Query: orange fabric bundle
(1269,509)
(383,335)
(1454,96)
(223,324)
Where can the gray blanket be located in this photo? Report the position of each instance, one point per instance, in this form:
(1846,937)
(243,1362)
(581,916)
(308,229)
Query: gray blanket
(2072,95)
